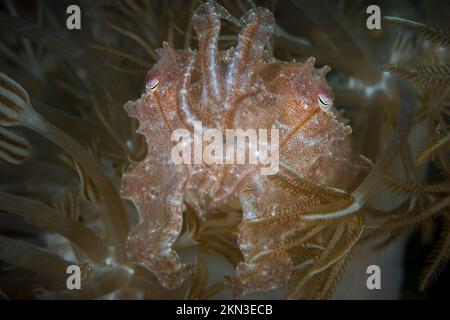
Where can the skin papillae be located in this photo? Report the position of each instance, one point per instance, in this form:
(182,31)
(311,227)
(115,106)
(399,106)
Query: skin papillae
(238,88)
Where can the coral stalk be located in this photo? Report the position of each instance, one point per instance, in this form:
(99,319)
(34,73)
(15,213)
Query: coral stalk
(51,220)
(116,219)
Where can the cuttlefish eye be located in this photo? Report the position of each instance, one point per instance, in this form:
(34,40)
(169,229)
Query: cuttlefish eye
(325,102)
(151,84)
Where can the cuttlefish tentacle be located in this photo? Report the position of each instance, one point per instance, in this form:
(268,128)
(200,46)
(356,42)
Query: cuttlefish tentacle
(259,26)
(206,22)
(251,42)
(184,107)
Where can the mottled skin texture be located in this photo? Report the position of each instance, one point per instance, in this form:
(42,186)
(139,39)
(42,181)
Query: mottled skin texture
(237,88)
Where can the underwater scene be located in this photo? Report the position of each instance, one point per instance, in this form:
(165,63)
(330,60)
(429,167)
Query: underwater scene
(228,149)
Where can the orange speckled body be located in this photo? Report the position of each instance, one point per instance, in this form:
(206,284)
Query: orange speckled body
(236,88)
